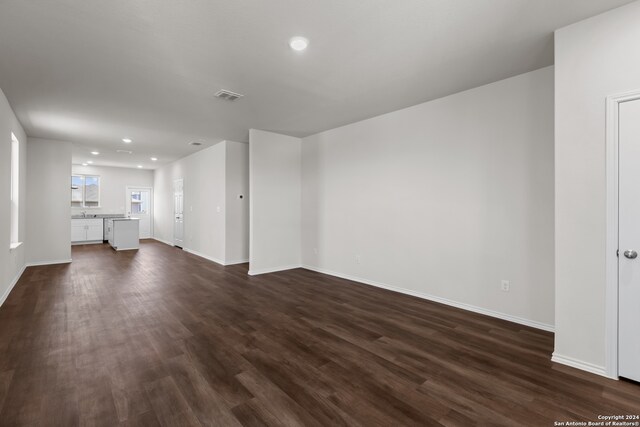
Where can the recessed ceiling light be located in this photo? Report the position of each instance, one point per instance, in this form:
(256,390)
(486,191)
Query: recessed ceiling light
(153,159)
(95,153)
(195,143)
(85,164)
(298,43)
(89,161)
(127,140)
(140,166)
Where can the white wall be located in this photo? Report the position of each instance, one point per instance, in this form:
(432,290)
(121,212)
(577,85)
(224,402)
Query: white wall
(594,59)
(204,201)
(163,199)
(442,200)
(11,261)
(209,175)
(113,184)
(275,187)
(237,209)
(48,201)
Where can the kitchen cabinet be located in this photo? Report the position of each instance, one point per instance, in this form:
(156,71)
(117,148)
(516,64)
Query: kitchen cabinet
(108,229)
(87,230)
(123,233)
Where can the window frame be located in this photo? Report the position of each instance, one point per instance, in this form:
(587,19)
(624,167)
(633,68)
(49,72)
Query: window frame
(83,202)
(14,196)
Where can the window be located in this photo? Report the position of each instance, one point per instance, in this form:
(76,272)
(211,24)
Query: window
(140,202)
(15,191)
(77,189)
(85,191)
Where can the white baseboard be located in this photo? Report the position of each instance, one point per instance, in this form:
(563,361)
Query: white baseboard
(13,283)
(445,301)
(19,275)
(273,269)
(201,255)
(37,263)
(579,364)
(163,241)
(241,261)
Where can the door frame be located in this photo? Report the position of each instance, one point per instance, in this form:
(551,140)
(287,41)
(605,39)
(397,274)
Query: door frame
(173,216)
(126,200)
(612,146)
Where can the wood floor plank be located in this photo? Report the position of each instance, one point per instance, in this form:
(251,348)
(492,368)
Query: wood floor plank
(202,398)
(162,337)
(253,413)
(281,406)
(169,404)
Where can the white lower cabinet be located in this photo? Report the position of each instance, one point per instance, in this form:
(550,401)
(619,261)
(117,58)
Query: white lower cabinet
(87,230)
(123,233)
(108,234)
(78,231)
(95,231)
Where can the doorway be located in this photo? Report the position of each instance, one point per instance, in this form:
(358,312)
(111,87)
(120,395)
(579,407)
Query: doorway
(623,236)
(178,212)
(139,205)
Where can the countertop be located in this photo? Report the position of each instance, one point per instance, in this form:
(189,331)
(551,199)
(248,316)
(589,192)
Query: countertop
(97,216)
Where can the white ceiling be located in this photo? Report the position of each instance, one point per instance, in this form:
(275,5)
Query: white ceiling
(95,71)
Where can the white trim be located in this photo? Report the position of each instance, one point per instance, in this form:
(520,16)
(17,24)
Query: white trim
(579,364)
(445,301)
(173,222)
(84,181)
(126,204)
(273,269)
(201,255)
(15,280)
(612,236)
(39,263)
(13,283)
(240,261)
(207,257)
(87,242)
(14,246)
(163,241)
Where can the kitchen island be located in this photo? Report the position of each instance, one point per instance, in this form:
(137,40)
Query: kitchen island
(123,233)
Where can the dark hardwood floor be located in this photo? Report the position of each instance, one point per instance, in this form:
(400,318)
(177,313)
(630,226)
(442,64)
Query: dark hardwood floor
(162,337)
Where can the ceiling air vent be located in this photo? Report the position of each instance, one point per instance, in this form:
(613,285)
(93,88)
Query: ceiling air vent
(227,95)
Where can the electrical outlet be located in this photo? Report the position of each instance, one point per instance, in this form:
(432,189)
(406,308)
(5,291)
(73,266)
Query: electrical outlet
(315,251)
(358,259)
(505,285)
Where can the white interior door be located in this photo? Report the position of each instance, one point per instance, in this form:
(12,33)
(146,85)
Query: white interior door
(178,209)
(629,241)
(139,206)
